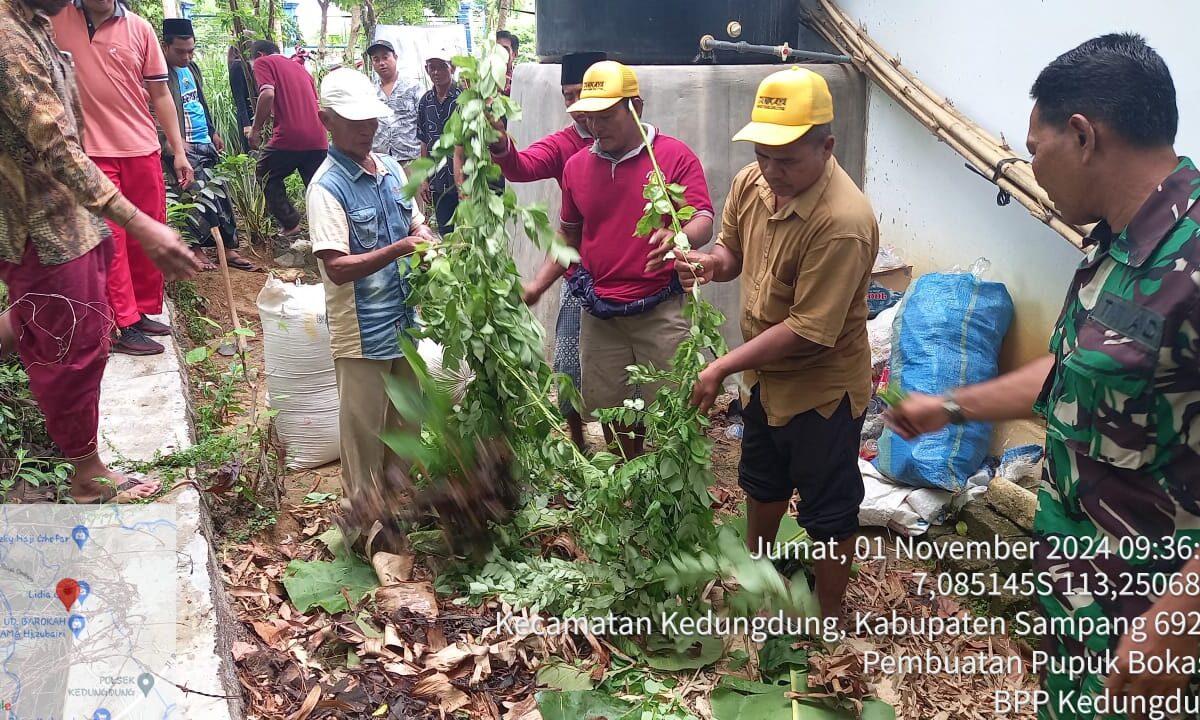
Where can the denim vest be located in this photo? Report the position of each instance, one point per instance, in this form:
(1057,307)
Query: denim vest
(378,215)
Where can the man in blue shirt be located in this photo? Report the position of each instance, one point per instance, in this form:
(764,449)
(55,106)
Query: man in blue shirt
(202,143)
(363,229)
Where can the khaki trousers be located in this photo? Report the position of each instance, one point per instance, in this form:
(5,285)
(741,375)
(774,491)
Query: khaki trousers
(366,413)
(606,347)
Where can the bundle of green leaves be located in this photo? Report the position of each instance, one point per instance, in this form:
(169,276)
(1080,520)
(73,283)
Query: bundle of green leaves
(629,520)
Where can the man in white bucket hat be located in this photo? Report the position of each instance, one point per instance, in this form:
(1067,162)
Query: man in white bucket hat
(363,230)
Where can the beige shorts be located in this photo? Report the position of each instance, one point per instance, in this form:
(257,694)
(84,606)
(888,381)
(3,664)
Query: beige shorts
(606,347)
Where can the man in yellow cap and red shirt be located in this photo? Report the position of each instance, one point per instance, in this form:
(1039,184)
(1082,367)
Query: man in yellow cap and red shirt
(633,314)
(804,238)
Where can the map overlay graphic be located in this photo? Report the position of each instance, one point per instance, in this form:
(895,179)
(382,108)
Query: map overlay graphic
(87,612)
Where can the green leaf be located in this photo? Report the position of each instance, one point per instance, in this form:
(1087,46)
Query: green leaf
(738,659)
(561,676)
(320,584)
(316,498)
(729,704)
(196,355)
(646,225)
(701,652)
(777,657)
(581,705)
(769,703)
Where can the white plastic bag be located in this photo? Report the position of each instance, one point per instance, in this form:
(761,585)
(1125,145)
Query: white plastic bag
(887,259)
(879,335)
(301,382)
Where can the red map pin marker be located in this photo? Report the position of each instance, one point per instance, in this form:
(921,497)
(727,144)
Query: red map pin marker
(68,592)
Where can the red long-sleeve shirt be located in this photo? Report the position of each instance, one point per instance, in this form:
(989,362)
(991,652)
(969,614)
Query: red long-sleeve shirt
(544,159)
(603,195)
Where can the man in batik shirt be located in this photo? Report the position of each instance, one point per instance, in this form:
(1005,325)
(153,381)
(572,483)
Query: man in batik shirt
(55,252)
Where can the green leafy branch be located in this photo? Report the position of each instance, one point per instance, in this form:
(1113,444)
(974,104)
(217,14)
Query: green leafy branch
(627,519)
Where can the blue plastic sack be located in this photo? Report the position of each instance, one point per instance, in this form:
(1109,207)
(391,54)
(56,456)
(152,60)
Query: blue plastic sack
(947,334)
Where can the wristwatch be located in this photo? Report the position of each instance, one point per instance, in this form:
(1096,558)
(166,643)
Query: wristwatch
(953,409)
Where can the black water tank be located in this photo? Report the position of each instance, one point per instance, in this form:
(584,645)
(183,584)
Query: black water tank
(660,32)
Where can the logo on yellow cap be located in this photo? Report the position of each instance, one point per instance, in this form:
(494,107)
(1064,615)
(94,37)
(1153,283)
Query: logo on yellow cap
(771,103)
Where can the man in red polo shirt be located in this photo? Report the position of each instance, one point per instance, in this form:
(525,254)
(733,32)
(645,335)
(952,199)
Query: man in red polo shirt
(117,62)
(632,316)
(287,94)
(543,160)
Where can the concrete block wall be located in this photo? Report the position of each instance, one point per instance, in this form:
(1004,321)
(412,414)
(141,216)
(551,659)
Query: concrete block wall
(703,105)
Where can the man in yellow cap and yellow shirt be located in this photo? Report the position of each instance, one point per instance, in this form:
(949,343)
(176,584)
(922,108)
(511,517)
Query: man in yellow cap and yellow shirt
(803,238)
(633,314)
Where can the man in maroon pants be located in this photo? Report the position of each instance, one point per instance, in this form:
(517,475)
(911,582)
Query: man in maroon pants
(55,252)
(118,62)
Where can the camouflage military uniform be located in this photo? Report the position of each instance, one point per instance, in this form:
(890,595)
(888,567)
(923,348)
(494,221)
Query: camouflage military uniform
(1120,405)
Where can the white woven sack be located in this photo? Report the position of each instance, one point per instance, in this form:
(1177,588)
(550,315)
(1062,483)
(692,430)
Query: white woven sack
(301,382)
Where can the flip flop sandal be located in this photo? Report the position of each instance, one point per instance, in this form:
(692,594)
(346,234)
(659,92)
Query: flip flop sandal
(241,263)
(110,493)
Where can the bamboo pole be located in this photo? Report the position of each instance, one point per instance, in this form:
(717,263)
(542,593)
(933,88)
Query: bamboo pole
(239,341)
(984,152)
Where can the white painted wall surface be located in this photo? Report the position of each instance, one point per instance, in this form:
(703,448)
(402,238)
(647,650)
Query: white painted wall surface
(984,57)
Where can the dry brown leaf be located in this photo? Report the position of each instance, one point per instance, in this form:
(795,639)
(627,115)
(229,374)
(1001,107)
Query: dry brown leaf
(483,669)
(435,637)
(401,669)
(602,658)
(391,637)
(391,568)
(319,638)
(269,631)
(526,709)
(415,597)
(310,703)
(241,591)
(242,650)
(506,651)
(565,547)
(452,656)
(437,688)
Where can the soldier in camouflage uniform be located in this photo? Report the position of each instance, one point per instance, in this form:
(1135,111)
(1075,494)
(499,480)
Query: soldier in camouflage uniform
(1119,507)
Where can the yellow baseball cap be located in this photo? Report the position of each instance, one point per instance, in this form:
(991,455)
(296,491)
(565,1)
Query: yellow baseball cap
(605,84)
(788,104)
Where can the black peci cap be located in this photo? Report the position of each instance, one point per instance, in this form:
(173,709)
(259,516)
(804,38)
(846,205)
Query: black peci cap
(179,27)
(575,65)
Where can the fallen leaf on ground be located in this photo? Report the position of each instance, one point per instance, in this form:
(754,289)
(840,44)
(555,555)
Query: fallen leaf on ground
(415,597)
(310,703)
(437,688)
(242,650)
(392,568)
(525,710)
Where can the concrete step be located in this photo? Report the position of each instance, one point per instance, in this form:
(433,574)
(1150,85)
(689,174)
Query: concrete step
(143,411)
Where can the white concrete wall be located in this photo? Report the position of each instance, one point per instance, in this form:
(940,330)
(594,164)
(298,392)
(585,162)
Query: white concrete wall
(984,57)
